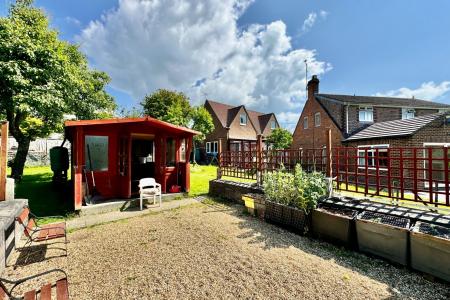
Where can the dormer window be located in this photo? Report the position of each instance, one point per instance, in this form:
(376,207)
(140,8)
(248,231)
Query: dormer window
(366,114)
(408,113)
(243,119)
(273,125)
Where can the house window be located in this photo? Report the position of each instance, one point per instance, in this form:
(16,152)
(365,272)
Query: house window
(372,157)
(170,152)
(183,150)
(96,152)
(408,113)
(212,147)
(366,114)
(317,119)
(437,163)
(305,123)
(273,125)
(243,119)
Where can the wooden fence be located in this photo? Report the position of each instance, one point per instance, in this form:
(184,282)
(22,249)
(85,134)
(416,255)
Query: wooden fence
(3,158)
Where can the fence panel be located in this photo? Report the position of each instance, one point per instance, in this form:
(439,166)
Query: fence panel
(419,174)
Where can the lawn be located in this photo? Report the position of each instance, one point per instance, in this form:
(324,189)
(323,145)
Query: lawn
(213,250)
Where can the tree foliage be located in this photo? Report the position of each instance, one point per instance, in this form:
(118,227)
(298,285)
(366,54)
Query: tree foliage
(43,78)
(280,138)
(169,106)
(202,122)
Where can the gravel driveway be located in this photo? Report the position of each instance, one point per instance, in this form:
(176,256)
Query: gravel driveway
(212,251)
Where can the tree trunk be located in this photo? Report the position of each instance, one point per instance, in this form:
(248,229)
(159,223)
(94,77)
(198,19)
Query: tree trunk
(194,162)
(20,158)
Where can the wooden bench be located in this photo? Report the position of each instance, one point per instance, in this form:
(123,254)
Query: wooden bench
(45,293)
(36,233)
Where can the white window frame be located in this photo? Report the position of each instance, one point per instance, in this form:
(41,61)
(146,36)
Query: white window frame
(273,125)
(305,122)
(317,117)
(365,114)
(208,147)
(425,159)
(371,149)
(212,147)
(408,113)
(243,119)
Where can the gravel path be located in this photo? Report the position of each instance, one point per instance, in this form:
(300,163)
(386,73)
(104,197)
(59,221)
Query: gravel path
(214,251)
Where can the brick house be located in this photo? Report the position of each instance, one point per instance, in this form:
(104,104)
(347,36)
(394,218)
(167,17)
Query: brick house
(237,127)
(347,115)
(374,129)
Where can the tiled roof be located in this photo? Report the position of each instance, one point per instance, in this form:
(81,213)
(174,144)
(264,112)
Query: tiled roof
(227,113)
(394,128)
(385,101)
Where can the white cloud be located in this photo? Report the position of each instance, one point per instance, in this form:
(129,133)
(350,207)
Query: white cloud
(312,19)
(427,91)
(197,48)
(73,21)
(289,119)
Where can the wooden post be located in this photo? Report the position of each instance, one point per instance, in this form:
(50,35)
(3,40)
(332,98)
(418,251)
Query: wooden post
(259,159)
(219,157)
(329,155)
(3,159)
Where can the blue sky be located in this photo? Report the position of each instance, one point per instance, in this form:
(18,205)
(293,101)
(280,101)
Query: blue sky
(397,47)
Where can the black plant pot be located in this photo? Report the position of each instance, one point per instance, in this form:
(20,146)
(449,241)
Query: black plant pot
(287,216)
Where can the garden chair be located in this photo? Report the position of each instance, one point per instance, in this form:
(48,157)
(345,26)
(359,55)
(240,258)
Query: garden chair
(36,233)
(45,293)
(148,187)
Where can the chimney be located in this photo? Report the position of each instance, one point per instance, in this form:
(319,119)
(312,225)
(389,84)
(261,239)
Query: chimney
(313,86)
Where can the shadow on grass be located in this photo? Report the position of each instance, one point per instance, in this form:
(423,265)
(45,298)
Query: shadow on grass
(401,281)
(44,197)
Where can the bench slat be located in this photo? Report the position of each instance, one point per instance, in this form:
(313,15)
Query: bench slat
(30,295)
(62,290)
(46,292)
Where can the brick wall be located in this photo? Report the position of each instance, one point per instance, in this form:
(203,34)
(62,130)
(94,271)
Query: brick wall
(231,190)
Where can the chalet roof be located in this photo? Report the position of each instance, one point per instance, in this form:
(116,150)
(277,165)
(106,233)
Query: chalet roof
(383,101)
(227,113)
(394,128)
(146,120)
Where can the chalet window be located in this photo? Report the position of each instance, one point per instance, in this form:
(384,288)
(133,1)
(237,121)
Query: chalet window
(408,113)
(372,157)
(273,125)
(243,119)
(170,152)
(437,163)
(317,119)
(305,123)
(183,150)
(366,114)
(96,152)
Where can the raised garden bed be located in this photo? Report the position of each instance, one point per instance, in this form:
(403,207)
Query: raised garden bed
(383,235)
(255,204)
(335,225)
(286,216)
(430,249)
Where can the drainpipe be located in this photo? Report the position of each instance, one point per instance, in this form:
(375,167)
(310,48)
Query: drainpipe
(346,119)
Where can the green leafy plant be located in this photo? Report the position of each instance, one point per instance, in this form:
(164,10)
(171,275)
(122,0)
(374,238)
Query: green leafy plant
(300,189)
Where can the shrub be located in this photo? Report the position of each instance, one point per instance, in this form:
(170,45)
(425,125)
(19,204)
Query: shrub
(301,190)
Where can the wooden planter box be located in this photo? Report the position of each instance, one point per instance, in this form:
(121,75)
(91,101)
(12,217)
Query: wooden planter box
(430,249)
(286,216)
(383,235)
(335,225)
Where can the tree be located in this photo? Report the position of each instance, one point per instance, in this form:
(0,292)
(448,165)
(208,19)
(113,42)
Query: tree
(280,138)
(202,122)
(169,106)
(43,78)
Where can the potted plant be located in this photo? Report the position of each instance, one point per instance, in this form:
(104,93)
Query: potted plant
(291,197)
(334,224)
(430,249)
(383,235)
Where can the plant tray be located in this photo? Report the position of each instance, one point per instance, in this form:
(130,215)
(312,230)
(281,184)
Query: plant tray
(385,219)
(434,230)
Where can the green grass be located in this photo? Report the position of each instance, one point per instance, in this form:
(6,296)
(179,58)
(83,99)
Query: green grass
(44,198)
(200,177)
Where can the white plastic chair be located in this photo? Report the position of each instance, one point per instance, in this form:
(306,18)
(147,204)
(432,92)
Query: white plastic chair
(148,187)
